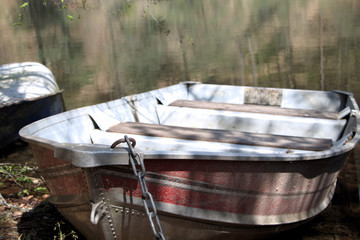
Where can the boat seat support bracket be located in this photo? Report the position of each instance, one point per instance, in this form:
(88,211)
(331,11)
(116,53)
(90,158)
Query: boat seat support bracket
(97,212)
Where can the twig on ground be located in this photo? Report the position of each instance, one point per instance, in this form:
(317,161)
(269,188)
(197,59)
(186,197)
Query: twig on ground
(2,170)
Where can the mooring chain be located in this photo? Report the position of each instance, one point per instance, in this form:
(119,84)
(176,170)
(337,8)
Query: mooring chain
(148,201)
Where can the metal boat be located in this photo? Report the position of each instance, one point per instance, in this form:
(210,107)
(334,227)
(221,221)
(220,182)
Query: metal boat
(28,92)
(196,161)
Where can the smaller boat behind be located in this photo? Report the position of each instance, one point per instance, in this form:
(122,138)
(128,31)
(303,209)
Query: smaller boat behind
(28,92)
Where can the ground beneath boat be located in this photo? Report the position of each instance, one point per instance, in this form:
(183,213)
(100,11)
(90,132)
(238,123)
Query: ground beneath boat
(25,212)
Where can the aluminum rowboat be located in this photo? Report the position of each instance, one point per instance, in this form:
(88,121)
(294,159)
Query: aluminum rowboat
(222,162)
(28,92)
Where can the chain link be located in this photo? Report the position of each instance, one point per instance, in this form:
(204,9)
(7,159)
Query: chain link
(147,199)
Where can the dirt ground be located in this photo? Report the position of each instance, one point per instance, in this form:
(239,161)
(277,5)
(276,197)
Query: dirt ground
(25,212)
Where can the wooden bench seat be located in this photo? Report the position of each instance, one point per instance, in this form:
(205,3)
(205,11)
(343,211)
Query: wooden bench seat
(251,108)
(223,136)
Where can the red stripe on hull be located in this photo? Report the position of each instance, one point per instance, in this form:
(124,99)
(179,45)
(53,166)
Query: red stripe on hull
(231,202)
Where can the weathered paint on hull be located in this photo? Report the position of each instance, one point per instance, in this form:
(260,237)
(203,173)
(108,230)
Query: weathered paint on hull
(219,199)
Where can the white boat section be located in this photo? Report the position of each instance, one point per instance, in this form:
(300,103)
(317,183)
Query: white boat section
(24,82)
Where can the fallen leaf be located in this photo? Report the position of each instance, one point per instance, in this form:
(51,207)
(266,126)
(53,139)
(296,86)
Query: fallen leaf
(45,195)
(17,214)
(28,198)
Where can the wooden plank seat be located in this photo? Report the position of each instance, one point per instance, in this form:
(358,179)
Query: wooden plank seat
(252,108)
(223,136)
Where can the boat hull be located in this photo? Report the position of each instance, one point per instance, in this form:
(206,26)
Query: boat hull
(219,200)
(20,114)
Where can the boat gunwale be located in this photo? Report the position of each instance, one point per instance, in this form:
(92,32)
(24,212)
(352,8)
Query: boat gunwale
(20,101)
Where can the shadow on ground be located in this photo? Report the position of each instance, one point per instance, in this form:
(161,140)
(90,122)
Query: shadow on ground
(45,222)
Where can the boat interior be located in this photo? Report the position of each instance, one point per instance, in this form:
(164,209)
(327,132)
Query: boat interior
(212,118)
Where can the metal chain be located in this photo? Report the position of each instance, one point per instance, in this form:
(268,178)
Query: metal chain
(148,202)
